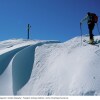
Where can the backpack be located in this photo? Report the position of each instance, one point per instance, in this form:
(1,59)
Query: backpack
(93,18)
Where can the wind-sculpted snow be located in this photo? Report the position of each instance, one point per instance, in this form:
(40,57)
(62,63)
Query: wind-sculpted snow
(7,50)
(65,69)
(22,65)
(50,68)
(16,64)
(6,71)
(6,58)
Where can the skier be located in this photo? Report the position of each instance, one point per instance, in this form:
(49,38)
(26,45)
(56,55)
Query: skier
(91,23)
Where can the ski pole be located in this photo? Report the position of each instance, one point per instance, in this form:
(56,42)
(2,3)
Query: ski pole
(81,34)
(98,29)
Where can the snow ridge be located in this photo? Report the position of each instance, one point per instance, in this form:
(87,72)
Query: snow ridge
(21,71)
(16,62)
(46,68)
(65,69)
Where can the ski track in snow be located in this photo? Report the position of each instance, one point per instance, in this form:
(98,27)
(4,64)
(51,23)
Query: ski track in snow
(49,68)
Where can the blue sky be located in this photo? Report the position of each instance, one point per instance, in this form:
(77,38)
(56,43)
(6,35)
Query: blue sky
(49,19)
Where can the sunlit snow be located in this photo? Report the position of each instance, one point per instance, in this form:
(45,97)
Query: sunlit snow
(36,67)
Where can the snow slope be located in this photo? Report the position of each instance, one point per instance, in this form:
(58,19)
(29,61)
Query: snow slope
(8,50)
(65,69)
(49,67)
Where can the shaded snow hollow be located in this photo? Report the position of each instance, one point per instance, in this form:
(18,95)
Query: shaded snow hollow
(29,67)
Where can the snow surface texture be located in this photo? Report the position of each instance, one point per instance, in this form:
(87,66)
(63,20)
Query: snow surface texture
(46,68)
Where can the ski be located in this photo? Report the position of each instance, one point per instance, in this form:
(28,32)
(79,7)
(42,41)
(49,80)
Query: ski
(94,44)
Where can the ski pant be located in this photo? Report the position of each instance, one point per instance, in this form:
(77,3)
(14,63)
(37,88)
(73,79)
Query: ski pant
(91,27)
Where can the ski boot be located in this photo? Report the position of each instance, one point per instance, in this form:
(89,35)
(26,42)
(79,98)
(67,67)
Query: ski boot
(91,41)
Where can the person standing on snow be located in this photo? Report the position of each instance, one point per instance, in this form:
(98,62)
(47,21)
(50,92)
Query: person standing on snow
(91,24)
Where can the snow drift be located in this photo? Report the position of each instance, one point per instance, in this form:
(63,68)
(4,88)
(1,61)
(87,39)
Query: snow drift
(50,68)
